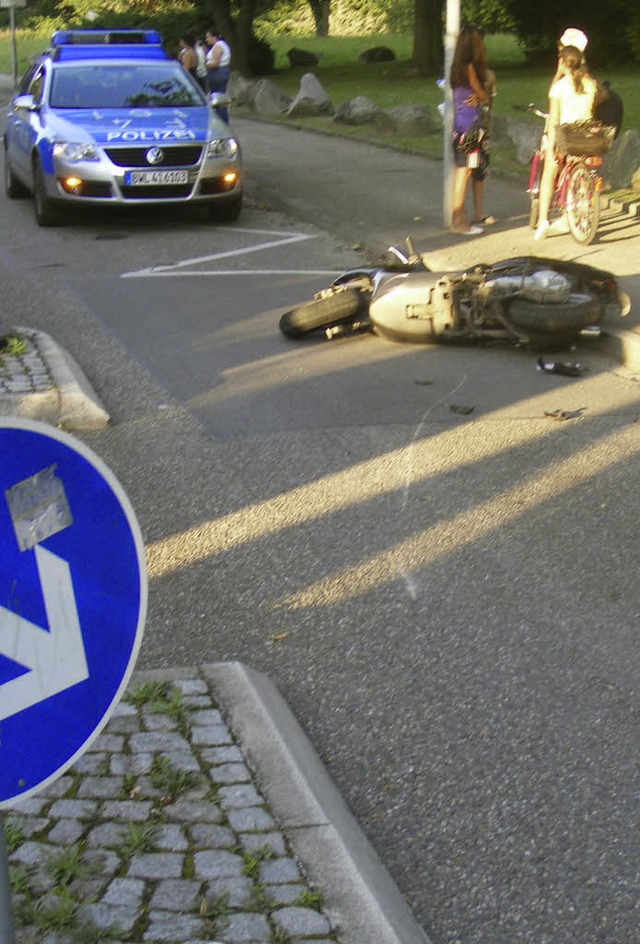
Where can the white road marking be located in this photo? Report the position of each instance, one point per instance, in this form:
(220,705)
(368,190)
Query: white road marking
(177,268)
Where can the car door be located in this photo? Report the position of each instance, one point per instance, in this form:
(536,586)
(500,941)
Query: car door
(24,123)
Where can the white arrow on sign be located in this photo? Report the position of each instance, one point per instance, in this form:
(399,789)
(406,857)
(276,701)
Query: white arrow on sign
(55,658)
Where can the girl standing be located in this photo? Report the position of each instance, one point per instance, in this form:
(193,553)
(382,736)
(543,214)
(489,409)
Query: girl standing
(572,97)
(468,79)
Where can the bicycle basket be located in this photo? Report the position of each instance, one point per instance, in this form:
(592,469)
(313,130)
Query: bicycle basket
(584,138)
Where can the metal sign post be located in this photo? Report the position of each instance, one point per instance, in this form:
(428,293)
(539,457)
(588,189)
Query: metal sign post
(452,29)
(7,933)
(12,4)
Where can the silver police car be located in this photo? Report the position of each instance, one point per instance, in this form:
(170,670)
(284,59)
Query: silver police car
(106,118)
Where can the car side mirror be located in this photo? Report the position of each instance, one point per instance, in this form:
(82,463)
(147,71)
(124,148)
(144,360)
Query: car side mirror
(25,101)
(219,100)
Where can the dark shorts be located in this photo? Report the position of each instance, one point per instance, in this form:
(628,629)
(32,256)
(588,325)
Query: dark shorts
(460,159)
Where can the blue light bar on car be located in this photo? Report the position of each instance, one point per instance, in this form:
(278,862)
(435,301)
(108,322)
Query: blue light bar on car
(108,37)
(86,51)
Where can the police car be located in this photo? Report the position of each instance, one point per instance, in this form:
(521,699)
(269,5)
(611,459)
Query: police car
(104,117)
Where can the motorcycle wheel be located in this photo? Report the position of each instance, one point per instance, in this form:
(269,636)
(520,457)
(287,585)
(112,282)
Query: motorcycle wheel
(551,320)
(583,205)
(342,307)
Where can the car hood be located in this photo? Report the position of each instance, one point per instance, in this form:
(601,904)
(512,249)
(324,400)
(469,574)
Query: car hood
(131,126)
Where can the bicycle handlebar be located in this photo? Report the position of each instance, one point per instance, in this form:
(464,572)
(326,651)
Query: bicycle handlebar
(532,109)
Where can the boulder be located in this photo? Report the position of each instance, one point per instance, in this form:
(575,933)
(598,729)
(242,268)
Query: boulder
(385,122)
(526,138)
(311,99)
(621,165)
(414,120)
(377,54)
(241,90)
(302,57)
(499,130)
(357,111)
(268,99)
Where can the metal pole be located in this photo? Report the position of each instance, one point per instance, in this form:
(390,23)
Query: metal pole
(7,933)
(452,29)
(14,54)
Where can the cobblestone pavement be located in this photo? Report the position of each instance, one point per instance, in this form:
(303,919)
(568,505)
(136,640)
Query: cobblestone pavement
(23,367)
(158,834)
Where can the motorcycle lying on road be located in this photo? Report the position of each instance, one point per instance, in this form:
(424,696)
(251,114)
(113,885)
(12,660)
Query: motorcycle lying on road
(527,300)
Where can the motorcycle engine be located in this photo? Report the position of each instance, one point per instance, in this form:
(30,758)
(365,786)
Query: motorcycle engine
(543,286)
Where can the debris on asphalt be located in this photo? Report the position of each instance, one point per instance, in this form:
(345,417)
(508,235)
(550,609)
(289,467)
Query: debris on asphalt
(566,368)
(564,414)
(464,410)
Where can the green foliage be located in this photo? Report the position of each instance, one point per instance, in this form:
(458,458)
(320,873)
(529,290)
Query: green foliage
(55,912)
(140,838)
(172,781)
(172,705)
(608,26)
(310,899)
(148,692)
(491,15)
(14,345)
(66,866)
(13,836)
(347,18)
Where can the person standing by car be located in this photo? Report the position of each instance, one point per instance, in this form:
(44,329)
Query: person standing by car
(468,79)
(218,66)
(201,68)
(187,54)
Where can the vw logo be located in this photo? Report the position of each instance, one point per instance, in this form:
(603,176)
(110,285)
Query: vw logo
(154,156)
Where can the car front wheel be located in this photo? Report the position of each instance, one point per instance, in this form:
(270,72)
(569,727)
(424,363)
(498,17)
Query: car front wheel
(13,187)
(46,212)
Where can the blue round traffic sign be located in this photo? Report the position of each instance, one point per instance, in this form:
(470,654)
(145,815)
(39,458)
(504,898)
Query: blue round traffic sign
(73,600)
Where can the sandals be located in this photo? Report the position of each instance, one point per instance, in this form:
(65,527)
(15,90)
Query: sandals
(485,221)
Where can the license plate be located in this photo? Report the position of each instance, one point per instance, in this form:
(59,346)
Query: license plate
(137,178)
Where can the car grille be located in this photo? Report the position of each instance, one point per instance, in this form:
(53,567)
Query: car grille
(176,156)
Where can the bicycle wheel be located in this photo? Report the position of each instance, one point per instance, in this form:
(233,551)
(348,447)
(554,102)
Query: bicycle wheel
(583,205)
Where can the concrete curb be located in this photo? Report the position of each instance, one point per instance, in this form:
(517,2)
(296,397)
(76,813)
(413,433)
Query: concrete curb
(70,402)
(623,345)
(360,896)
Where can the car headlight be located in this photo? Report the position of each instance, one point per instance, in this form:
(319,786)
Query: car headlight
(74,153)
(223,147)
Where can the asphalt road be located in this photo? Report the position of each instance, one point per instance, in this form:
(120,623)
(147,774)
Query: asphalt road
(445,599)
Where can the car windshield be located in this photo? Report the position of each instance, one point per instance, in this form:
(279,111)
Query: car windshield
(123,85)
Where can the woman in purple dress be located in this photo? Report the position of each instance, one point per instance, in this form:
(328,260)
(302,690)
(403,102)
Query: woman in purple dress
(469,84)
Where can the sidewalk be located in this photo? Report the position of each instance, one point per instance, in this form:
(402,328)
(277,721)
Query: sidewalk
(200,813)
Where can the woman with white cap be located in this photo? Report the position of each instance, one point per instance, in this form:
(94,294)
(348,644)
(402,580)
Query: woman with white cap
(572,98)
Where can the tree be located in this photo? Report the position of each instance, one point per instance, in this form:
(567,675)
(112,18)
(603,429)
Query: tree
(428,47)
(320,10)
(609,26)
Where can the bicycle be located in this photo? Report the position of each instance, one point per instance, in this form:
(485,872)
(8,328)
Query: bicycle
(576,195)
